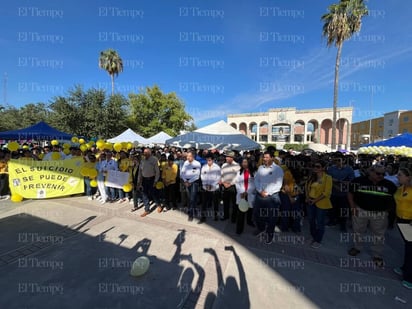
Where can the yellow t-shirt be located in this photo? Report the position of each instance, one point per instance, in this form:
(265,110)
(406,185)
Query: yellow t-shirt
(316,189)
(169,174)
(403,198)
(125,165)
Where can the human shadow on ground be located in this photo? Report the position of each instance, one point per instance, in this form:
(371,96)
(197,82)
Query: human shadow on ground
(239,294)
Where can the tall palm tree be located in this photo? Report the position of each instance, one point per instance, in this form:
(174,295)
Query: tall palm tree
(342,21)
(110,61)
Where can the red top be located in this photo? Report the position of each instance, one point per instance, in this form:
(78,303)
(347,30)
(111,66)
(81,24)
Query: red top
(246,179)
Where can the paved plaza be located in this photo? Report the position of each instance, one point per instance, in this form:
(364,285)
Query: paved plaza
(75,253)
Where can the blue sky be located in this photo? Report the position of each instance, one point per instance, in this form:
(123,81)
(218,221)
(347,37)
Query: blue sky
(220,57)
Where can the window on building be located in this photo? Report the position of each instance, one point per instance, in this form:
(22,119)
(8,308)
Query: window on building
(405,119)
(390,122)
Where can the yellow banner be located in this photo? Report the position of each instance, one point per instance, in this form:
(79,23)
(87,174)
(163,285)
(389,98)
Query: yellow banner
(45,179)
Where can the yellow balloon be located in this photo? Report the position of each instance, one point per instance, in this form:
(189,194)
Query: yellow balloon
(13,146)
(55,156)
(124,145)
(117,147)
(243,205)
(127,187)
(66,145)
(41,156)
(16,198)
(100,143)
(75,139)
(90,144)
(25,147)
(66,151)
(140,266)
(83,147)
(159,185)
(84,171)
(54,142)
(92,173)
(81,141)
(129,146)
(108,146)
(93,183)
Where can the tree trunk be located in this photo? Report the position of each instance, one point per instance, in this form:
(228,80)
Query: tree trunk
(112,76)
(335,97)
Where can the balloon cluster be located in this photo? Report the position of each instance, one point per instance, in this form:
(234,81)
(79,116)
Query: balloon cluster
(385,150)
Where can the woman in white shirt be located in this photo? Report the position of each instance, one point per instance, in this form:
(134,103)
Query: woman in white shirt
(245,189)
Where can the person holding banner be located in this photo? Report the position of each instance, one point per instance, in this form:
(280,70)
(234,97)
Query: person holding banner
(101,178)
(89,164)
(110,165)
(4,175)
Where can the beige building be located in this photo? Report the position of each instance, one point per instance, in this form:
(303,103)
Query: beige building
(289,125)
(377,129)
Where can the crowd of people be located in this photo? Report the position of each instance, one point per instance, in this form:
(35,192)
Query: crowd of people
(272,191)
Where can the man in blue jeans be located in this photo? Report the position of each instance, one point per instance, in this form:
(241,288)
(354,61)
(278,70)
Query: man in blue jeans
(268,182)
(190,175)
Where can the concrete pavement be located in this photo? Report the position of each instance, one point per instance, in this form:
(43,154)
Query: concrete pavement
(75,253)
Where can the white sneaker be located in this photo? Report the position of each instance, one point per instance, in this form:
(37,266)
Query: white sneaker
(277,230)
(131,201)
(102,202)
(6,197)
(90,198)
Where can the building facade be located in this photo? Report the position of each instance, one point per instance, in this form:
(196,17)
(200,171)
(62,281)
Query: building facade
(373,130)
(289,125)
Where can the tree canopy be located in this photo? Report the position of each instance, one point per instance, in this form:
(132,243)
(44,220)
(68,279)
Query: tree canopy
(93,113)
(153,111)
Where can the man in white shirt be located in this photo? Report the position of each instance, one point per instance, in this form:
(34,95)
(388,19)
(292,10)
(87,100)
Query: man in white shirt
(229,173)
(109,165)
(268,182)
(190,175)
(210,176)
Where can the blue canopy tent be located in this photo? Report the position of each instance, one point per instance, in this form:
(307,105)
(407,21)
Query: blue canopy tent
(39,131)
(404,139)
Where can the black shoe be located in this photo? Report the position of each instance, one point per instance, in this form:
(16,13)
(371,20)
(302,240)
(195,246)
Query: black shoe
(201,220)
(190,219)
(378,261)
(353,252)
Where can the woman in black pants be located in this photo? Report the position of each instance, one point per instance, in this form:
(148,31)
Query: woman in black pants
(245,189)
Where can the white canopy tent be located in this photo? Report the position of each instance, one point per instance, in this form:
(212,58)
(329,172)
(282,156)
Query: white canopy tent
(218,135)
(159,138)
(129,136)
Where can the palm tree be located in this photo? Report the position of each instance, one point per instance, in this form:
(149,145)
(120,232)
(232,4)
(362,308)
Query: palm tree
(110,61)
(342,21)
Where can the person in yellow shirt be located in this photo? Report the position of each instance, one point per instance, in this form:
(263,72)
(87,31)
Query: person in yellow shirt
(90,163)
(125,165)
(169,175)
(318,190)
(290,207)
(4,175)
(403,198)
